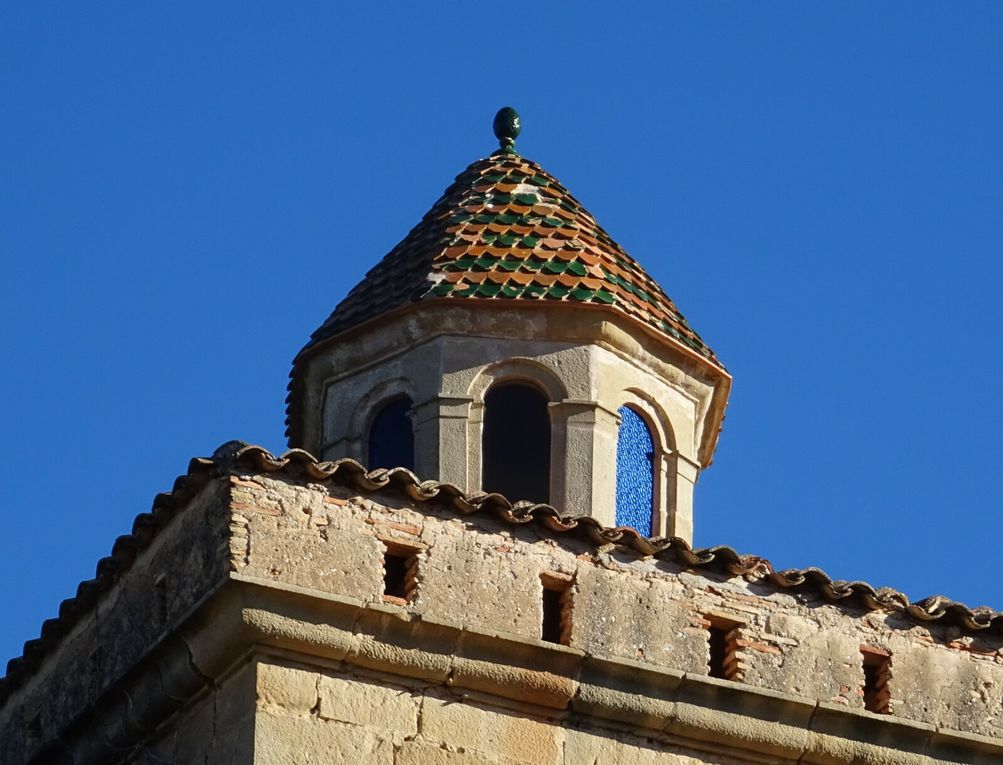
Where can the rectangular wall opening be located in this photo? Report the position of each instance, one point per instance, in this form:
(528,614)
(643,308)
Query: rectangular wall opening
(160,598)
(722,644)
(400,573)
(33,731)
(95,665)
(877,665)
(556,625)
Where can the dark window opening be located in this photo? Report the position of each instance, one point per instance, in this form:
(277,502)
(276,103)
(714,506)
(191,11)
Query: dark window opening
(391,437)
(400,574)
(516,453)
(556,627)
(722,644)
(877,674)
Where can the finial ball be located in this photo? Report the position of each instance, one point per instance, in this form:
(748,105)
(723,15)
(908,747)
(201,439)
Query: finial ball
(507,126)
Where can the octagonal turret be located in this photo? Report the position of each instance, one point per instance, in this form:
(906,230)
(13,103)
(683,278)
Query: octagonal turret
(509,344)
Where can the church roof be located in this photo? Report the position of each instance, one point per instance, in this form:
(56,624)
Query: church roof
(506,229)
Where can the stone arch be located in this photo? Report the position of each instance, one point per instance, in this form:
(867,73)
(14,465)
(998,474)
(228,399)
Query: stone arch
(654,415)
(519,369)
(531,374)
(389,440)
(375,399)
(346,431)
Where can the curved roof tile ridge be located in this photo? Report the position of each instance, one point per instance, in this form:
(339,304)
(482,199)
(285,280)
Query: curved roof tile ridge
(240,458)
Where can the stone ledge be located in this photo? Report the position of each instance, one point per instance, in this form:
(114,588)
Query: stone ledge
(249,615)
(697,710)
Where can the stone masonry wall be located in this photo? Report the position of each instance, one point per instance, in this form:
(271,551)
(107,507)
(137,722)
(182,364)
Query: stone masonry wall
(309,715)
(485,575)
(219,644)
(216,728)
(179,568)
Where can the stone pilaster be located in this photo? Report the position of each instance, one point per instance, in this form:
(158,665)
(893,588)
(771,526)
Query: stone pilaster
(441,443)
(583,459)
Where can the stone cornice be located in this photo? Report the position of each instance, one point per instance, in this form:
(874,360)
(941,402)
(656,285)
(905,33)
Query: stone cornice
(256,617)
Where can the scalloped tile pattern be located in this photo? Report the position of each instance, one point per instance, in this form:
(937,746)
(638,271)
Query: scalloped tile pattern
(506,229)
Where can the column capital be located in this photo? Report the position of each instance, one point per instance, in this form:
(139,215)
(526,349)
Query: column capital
(442,408)
(577,408)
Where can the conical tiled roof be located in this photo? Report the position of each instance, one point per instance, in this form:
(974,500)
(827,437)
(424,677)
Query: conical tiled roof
(508,230)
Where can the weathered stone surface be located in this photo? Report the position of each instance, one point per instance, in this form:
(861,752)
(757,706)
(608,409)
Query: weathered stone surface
(623,612)
(599,747)
(282,582)
(415,753)
(297,537)
(286,740)
(291,688)
(516,736)
(387,708)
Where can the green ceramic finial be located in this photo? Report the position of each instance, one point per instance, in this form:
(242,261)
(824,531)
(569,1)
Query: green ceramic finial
(507,127)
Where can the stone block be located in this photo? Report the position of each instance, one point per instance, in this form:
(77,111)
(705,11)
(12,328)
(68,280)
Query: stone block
(619,613)
(477,579)
(291,688)
(416,753)
(517,670)
(617,748)
(391,709)
(502,733)
(338,555)
(286,740)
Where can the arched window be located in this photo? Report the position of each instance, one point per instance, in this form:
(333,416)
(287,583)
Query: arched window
(516,450)
(635,473)
(391,439)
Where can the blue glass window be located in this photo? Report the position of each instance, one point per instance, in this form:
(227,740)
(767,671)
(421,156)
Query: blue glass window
(391,439)
(635,474)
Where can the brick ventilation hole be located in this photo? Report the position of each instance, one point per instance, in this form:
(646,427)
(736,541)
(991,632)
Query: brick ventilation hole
(400,574)
(723,642)
(160,598)
(556,626)
(33,731)
(94,665)
(877,677)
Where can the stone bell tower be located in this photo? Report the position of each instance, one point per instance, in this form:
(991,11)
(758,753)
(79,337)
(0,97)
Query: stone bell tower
(508,344)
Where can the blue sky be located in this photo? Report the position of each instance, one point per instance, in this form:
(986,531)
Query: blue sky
(189,191)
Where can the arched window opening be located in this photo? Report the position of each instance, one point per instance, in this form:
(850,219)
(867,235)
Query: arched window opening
(635,472)
(516,449)
(391,439)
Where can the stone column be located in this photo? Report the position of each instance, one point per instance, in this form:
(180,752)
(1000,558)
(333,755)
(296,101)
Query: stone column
(440,439)
(475,444)
(583,459)
(680,476)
